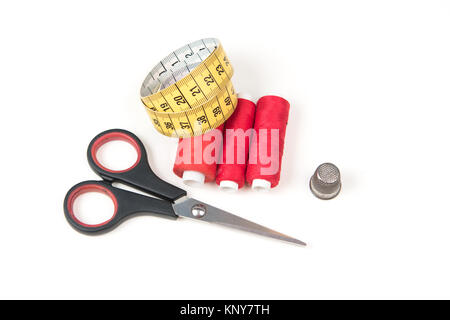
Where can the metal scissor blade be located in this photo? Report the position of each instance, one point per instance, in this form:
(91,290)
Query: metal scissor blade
(194,209)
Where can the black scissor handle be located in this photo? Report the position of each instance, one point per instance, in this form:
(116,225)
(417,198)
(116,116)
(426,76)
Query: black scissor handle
(126,204)
(139,175)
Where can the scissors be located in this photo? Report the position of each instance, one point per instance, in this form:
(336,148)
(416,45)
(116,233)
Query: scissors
(173,202)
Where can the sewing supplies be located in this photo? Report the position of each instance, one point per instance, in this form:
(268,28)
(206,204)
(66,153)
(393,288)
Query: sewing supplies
(325,183)
(236,143)
(189,92)
(267,145)
(140,176)
(197,157)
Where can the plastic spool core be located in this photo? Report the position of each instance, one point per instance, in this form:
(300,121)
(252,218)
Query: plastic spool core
(261,185)
(228,185)
(193,178)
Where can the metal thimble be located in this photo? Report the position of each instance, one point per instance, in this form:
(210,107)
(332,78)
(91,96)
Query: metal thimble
(326,182)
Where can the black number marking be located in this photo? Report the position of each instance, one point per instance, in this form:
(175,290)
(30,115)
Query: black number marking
(227,101)
(169,125)
(195,91)
(202,119)
(220,69)
(225,59)
(157,122)
(187,55)
(184,125)
(165,106)
(217,111)
(179,100)
(208,80)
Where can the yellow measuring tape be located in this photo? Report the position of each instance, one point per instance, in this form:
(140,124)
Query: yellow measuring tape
(190,92)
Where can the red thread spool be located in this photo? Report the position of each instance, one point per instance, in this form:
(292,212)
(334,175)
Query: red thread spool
(197,157)
(236,143)
(263,170)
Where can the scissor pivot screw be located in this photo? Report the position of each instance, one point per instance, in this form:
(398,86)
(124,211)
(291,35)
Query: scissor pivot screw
(198,211)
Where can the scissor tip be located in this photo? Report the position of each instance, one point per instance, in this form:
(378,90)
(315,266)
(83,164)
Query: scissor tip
(293,240)
(301,243)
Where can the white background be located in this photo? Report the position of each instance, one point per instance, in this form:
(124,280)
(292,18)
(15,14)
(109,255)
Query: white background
(368,83)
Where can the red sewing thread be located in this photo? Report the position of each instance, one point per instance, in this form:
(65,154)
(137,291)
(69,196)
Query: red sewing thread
(272,112)
(231,172)
(200,163)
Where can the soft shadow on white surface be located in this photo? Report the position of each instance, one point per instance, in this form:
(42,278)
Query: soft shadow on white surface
(368,86)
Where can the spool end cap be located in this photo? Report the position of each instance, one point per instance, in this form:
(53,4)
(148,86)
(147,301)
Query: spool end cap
(261,185)
(193,178)
(228,185)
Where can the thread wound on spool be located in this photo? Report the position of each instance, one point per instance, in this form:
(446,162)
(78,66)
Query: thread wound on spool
(236,144)
(199,155)
(267,146)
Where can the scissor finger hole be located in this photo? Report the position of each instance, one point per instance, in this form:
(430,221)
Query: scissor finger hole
(92,206)
(116,152)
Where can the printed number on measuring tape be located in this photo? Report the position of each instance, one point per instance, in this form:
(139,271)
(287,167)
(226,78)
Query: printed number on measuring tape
(189,92)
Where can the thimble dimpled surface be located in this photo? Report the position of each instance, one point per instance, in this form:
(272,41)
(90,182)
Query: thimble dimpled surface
(326,181)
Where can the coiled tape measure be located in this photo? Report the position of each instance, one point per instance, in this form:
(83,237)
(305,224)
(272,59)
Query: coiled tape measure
(190,92)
